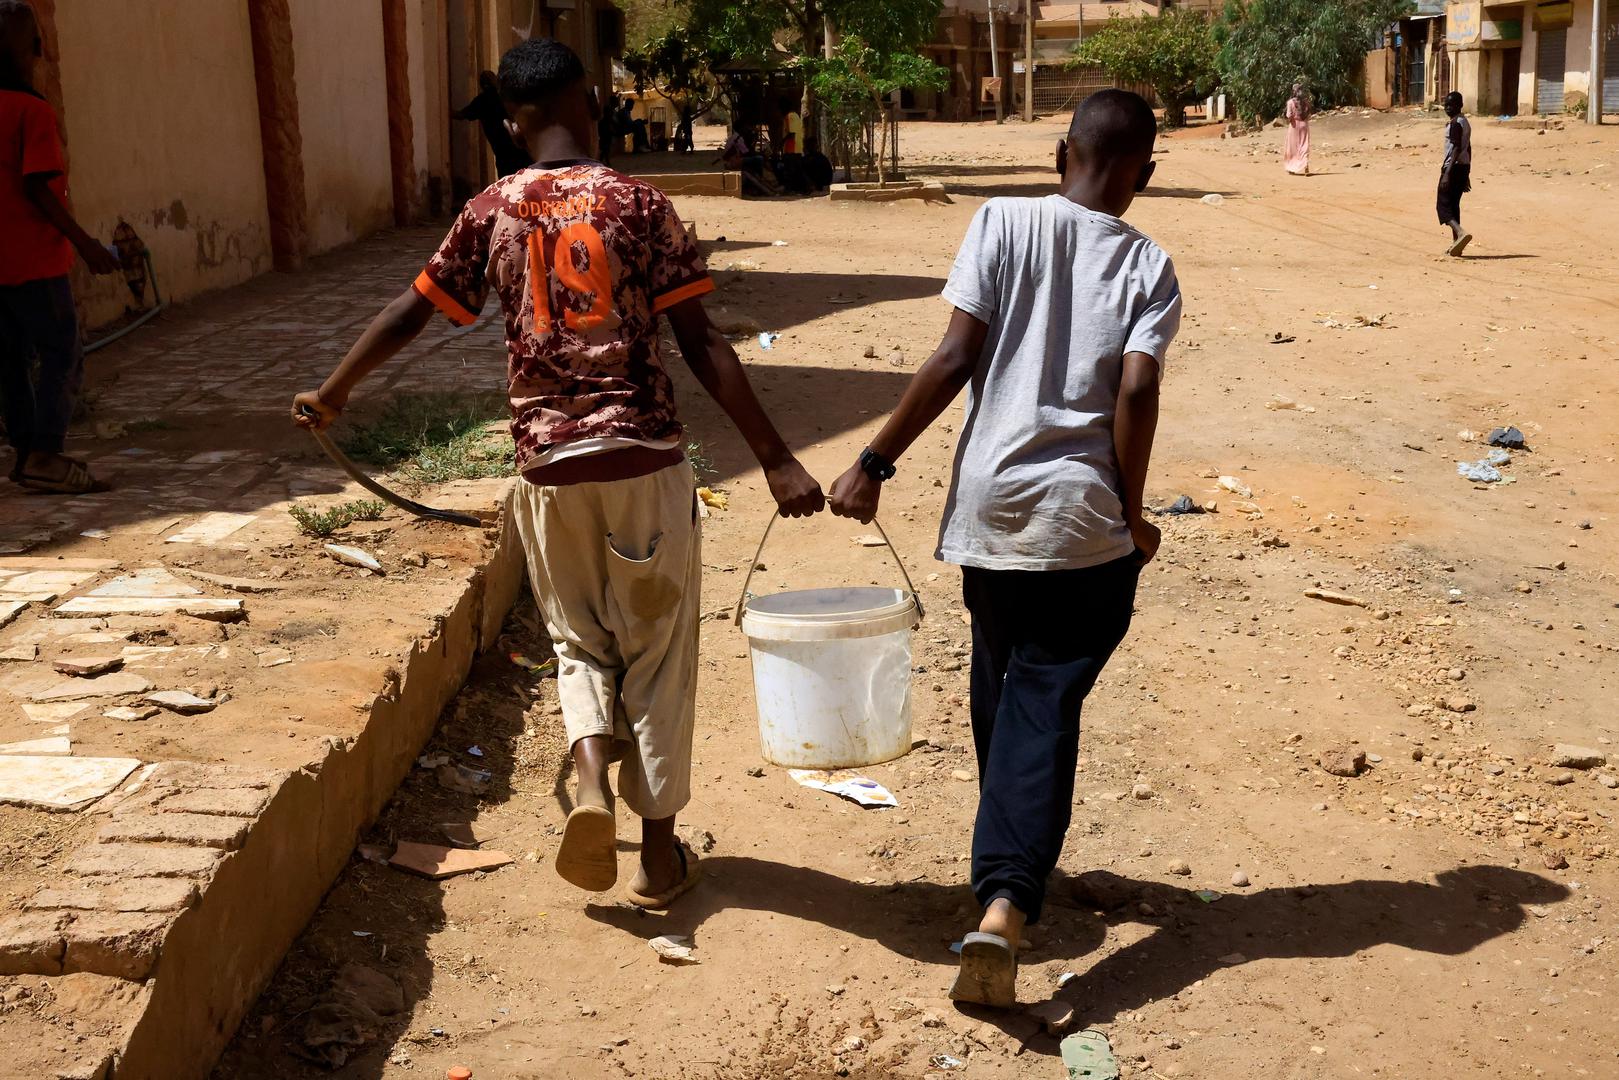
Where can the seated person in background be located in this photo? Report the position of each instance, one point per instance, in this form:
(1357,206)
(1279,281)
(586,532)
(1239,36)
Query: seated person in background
(738,156)
(817,166)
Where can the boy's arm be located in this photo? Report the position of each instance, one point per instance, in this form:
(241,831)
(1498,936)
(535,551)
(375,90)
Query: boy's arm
(716,366)
(55,211)
(1134,423)
(393,329)
(931,390)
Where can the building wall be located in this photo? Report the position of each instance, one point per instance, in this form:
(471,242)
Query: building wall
(163,132)
(343,116)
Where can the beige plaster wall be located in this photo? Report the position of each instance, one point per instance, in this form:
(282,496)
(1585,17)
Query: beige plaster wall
(163,132)
(343,117)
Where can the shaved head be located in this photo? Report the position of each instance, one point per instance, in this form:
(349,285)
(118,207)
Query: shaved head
(1112,126)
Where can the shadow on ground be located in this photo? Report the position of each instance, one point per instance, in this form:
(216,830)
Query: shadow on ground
(1460,910)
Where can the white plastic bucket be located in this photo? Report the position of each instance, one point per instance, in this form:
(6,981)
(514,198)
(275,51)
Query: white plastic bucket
(832,673)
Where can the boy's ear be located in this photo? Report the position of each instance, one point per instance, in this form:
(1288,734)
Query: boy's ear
(1146,176)
(1062,157)
(517,136)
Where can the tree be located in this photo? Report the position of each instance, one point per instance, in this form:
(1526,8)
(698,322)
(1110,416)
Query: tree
(853,84)
(1268,45)
(679,69)
(753,28)
(1174,53)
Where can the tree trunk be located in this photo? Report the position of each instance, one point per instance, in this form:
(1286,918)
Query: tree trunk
(882,138)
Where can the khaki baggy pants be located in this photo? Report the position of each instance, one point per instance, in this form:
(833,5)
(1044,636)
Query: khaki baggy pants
(617,570)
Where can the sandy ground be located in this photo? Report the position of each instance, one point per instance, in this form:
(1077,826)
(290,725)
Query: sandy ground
(1448,912)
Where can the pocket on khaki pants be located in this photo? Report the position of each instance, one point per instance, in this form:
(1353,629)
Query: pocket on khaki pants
(641,577)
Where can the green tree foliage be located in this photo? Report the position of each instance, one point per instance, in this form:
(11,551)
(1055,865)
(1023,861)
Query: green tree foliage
(1268,45)
(1173,53)
(752,28)
(854,83)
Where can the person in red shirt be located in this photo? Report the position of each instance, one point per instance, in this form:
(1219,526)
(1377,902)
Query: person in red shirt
(584,260)
(38,239)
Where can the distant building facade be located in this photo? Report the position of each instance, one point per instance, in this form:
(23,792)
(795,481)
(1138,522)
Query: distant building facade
(1541,56)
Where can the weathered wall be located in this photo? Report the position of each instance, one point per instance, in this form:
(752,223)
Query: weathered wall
(343,117)
(163,129)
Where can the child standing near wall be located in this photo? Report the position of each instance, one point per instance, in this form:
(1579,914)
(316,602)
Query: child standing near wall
(38,241)
(584,260)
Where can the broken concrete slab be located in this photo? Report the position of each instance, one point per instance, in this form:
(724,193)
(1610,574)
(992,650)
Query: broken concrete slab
(32,943)
(210,528)
(56,783)
(131,714)
(1569,756)
(353,556)
(151,581)
(54,712)
(181,701)
(437,861)
(36,562)
(96,607)
(123,945)
(142,861)
(236,584)
(117,684)
(43,581)
(20,653)
(10,609)
(56,745)
(243,802)
(133,894)
(197,830)
(88,667)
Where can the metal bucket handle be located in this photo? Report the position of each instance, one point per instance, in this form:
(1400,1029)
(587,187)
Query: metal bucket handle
(742,601)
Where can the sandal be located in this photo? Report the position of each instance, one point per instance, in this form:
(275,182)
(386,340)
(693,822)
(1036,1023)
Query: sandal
(588,857)
(78,481)
(690,871)
(988,974)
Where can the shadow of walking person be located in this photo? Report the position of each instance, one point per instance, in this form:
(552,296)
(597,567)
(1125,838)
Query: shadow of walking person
(1461,909)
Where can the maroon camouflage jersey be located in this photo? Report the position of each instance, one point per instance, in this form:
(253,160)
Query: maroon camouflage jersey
(583,259)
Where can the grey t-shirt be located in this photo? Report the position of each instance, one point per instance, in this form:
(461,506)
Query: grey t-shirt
(1066,292)
(1458,142)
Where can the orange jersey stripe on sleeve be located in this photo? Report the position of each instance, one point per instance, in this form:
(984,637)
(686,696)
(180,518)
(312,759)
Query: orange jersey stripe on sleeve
(691,289)
(449,305)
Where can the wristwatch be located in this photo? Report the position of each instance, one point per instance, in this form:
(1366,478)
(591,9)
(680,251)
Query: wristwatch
(876,466)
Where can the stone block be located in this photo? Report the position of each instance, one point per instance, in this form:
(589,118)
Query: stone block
(197,830)
(191,774)
(124,945)
(143,861)
(132,894)
(32,942)
(224,802)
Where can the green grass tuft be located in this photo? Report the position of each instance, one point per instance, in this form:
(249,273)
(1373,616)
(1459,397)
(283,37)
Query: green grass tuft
(436,438)
(323,523)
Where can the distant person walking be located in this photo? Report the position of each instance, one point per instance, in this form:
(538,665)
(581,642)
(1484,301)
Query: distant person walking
(1297,153)
(1456,176)
(490,113)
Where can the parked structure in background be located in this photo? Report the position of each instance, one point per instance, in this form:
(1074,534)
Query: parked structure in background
(1538,56)
(1410,65)
(962,45)
(241,137)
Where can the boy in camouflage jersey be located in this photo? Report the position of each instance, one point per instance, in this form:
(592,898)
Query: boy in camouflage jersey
(584,260)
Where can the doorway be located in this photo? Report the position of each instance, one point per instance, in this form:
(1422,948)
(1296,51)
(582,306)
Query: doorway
(1551,54)
(1511,69)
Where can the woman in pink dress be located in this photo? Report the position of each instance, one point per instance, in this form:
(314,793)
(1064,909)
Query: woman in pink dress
(1297,154)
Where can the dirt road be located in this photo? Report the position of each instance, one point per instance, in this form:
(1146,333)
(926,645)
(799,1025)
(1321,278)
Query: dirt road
(1447,912)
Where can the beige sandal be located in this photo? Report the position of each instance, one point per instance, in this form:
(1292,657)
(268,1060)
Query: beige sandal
(588,857)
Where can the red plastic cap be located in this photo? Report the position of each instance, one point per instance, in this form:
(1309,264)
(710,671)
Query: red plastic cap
(459,1072)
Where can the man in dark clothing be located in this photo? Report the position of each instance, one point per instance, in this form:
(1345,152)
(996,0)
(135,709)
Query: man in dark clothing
(490,114)
(1456,175)
(817,166)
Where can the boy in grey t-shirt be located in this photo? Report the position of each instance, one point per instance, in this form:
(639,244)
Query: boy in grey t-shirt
(1063,314)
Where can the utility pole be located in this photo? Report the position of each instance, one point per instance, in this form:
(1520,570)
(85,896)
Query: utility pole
(995,66)
(1028,61)
(1599,25)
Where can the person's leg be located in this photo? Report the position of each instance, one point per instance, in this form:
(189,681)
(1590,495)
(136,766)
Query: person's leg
(561,530)
(1064,626)
(654,592)
(16,364)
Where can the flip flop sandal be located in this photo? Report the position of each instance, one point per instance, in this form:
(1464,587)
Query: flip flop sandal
(1461,245)
(588,857)
(78,481)
(988,974)
(690,871)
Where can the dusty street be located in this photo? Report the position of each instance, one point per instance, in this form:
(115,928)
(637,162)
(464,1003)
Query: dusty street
(1447,912)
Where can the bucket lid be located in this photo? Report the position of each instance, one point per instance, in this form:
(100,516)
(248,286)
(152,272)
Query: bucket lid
(829,614)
